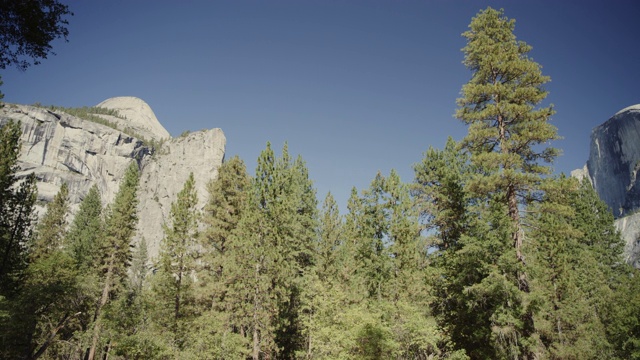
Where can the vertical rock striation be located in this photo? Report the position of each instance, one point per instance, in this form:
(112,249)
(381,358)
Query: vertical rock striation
(614,161)
(612,168)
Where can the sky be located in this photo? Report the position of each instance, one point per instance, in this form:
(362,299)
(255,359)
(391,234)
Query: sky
(354,87)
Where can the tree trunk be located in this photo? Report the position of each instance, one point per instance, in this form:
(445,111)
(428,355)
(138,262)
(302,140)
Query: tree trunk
(103,301)
(256,337)
(52,335)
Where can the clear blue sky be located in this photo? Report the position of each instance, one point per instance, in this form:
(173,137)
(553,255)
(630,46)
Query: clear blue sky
(355,87)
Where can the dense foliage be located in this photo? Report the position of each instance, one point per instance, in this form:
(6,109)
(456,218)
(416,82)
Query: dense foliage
(483,256)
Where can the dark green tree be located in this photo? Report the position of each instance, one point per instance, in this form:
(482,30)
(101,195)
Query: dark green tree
(120,226)
(52,228)
(565,276)
(27,29)
(17,198)
(223,211)
(86,231)
(506,126)
(173,284)
(269,253)
(507,134)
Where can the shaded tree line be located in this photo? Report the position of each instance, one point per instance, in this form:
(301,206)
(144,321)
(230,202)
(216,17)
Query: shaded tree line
(484,254)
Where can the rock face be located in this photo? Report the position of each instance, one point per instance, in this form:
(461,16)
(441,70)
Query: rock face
(165,173)
(60,148)
(612,168)
(614,161)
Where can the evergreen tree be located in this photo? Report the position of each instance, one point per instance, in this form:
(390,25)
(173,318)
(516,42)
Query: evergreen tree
(174,284)
(17,198)
(86,231)
(223,211)
(214,333)
(120,227)
(52,228)
(565,278)
(506,132)
(49,288)
(330,238)
(499,104)
(269,253)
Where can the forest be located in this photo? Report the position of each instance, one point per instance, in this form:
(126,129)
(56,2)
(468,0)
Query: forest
(485,254)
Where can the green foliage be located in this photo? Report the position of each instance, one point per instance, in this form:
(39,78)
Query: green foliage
(120,225)
(482,257)
(91,113)
(86,231)
(27,30)
(17,199)
(174,285)
(52,228)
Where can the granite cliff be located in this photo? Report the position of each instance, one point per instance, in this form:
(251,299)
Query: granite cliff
(59,148)
(612,168)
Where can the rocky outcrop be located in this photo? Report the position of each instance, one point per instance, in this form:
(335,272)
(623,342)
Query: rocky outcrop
(614,161)
(60,148)
(137,115)
(612,168)
(165,173)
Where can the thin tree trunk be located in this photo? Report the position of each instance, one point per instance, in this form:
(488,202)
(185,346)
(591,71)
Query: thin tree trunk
(256,338)
(103,301)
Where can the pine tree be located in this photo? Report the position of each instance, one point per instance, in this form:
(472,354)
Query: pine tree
(440,196)
(214,332)
(499,105)
(52,228)
(174,284)
(120,226)
(565,278)
(223,211)
(507,133)
(269,253)
(17,199)
(85,232)
(49,290)
(330,238)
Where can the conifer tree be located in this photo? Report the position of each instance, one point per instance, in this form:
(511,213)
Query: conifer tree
(50,286)
(506,138)
(566,278)
(85,232)
(268,254)
(120,226)
(330,238)
(223,211)
(17,199)
(52,228)
(174,285)
(215,332)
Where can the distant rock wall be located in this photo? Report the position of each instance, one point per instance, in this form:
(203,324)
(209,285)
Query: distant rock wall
(164,175)
(60,148)
(612,168)
(614,161)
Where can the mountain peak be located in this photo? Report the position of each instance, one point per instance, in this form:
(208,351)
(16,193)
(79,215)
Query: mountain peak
(635,107)
(138,115)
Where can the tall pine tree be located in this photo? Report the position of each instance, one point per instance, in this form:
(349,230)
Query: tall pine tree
(507,134)
(174,284)
(120,226)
